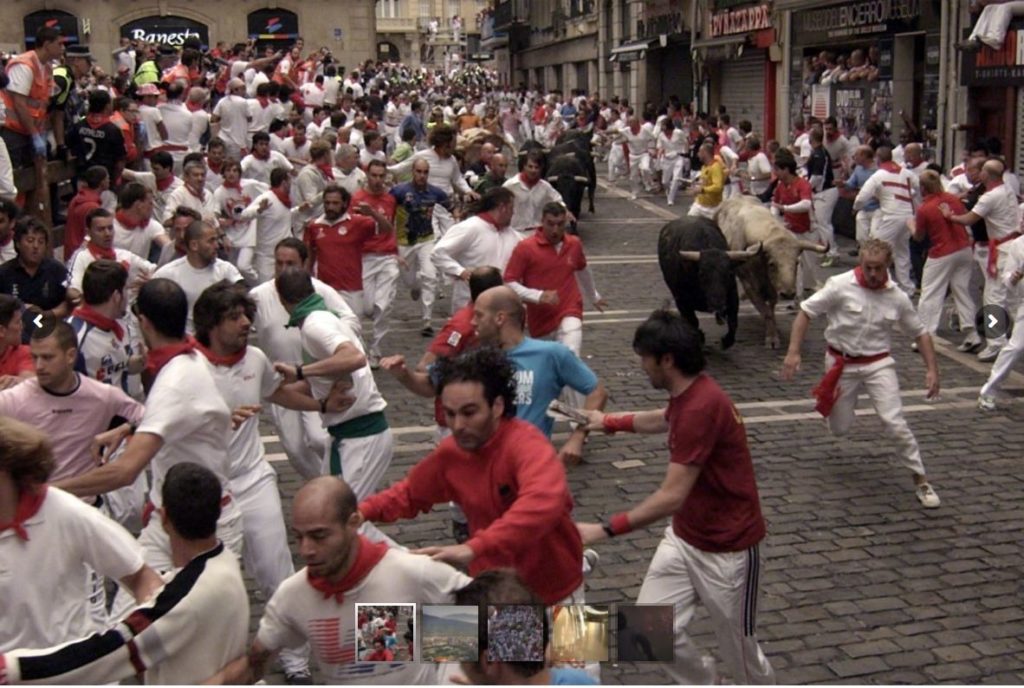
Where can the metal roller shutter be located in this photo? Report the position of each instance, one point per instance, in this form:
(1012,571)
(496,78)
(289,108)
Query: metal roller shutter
(742,91)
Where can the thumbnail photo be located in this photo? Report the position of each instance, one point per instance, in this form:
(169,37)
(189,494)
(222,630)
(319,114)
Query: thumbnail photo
(580,633)
(515,633)
(644,632)
(450,633)
(386,633)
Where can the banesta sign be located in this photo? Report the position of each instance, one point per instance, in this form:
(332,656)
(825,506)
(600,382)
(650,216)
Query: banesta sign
(166,30)
(739,20)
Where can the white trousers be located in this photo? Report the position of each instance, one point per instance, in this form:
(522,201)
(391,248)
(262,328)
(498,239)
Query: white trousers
(672,175)
(1008,357)
(303,437)
(441,221)
(863,225)
(726,583)
(893,229)
(879,380)
(951,272)
(995,292)
(616,162)
(264,266)
(993,23)
(380,280)
(7,189)
(266,555)
(569,333)
(242,257)
(698,210)
(824,205)
(808,267)
(419,271)
(354,299)
(640,173)
(364,461)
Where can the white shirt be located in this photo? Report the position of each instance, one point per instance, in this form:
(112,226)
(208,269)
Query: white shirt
(42,581)
(230,204)
(802,144)
(272,225)
(894,191)
(530,201)
(200,125)
(840,151)
(999,208)
(312,94)
(194,281)
(638,142)
(293,152)
(674,146)
(297,614)
(282,343)
(260,117)
(138,241)
(148,180)
(82,259)
(756,166)
(254,168)
(472,243)
(351,182)
(444,173)
(182,196)
(860,321)
(192,420)
(178,122)
(322,334)
(233,112)
(959,184)
(8,252)
(150,118)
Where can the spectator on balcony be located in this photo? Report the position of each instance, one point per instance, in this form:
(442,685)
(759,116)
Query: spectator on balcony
(456,24)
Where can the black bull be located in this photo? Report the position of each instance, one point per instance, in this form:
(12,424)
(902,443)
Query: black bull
(699,270)
(574,145)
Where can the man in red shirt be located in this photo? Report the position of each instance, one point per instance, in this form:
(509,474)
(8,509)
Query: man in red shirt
(380,254)
(15,357)
(711,549)
(792,200)
(335,241)
(505,475)
(379,654)
(96,180)
(950,260)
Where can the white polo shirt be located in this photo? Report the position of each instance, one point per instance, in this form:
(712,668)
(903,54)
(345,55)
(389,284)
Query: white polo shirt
(297,614)
(322,334)
(233,112)
(282,343)
(246,383)
(183,196)
(861,321)
(138,241)
(193,281)
(1001,212)
(43,580)
(255,168)
(530,201)
(185,409)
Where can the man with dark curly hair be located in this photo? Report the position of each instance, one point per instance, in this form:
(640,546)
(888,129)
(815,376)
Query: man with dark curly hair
(504,474)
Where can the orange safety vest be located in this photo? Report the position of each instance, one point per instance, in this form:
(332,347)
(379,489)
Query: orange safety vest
(178,72)
(38,95)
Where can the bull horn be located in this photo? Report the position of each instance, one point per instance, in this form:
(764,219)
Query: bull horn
(693,256)
(552,180)
(749,252)
(582,180)
(812,246)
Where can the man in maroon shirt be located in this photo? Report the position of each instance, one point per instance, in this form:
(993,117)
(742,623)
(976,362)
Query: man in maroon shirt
(710,551)
(96,180)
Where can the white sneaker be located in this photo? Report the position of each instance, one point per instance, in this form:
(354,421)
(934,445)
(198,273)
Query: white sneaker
(986,402)
(989,353)
(926,495)
(970,343)
(671,202)
(590,559)
(632,197)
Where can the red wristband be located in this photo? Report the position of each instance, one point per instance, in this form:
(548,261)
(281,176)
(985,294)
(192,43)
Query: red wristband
(620,423)
(620,524)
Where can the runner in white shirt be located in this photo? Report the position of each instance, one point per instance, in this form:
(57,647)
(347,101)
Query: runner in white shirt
(150,116)
(759,168)
(161,182)
(48,543)
(200,267)
(192,194)
(863,307)
(998,207)
(182,423)
(263,109)
(638,141)
(361,443)
(231,119)
(895,189)
(231,199)
(343,568)
(274,215)
(672,149)
(531,194)
(135,229)
(200,126)
(302,433)
(100,245)
(347,174)
(177,121)
(296,147)
(484,239)
(313,92)
(262,161)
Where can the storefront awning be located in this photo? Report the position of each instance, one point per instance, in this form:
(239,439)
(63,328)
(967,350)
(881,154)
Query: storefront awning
(631,51)
(721,41)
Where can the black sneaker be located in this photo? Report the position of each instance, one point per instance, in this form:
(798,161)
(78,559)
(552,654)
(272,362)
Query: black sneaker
(460,531)
(299,678)
(427,331)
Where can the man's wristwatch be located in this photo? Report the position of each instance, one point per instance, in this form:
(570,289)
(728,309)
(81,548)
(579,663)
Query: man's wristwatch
(607,527)
(298,372)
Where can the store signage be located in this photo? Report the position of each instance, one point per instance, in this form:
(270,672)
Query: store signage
(996,67)
(739,20)
(167,30)
(273,25)
(660,18)
(857,19)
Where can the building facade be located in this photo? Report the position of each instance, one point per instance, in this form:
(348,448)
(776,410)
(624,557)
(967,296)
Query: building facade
(422,33)
(346,29)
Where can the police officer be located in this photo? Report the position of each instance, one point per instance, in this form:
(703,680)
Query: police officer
(66,104)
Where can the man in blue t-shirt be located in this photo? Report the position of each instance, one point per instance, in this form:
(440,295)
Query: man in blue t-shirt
(543,368)
(415,236)
(864,158)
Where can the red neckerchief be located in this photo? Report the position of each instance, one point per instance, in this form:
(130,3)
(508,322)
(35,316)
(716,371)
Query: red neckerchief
(236,186)
(214,168)
(859,274)
(199,195)
(263,101)
(526,182)
(283,197)
(157,358)
(830,137)
(227,361)
(193,107)
(92,316)
(100,253)
(487,217)
(327,171)
(96,120)
(889,166)
(165,183)
(29,503)
(370,554)
(126,222)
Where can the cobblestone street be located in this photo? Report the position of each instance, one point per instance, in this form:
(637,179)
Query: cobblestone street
(859,584)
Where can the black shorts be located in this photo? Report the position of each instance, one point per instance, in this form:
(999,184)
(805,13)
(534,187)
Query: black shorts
(19,147)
